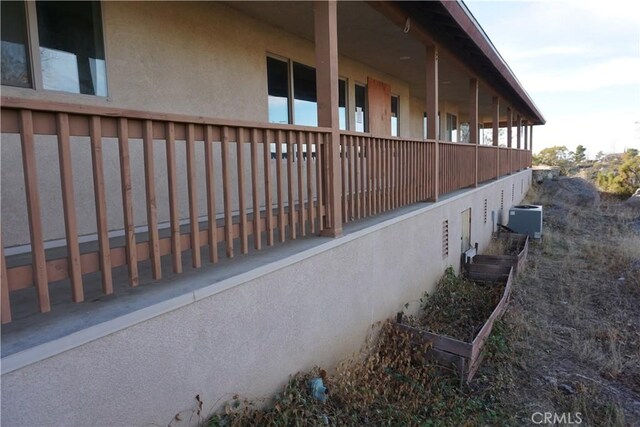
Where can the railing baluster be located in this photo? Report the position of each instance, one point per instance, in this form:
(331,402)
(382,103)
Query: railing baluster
(226,192)
(356,177)
(290,187)
(279,188)
(6,302)
(176,247)
(242,211)
(361,198)
(267,187)
(343,155)
(350,163)
(152,210)
(193,197)
(257,234)
(319,182)
(127,201)
(301,212)
(95,131)
(212,224)
(69,206)
(310,208)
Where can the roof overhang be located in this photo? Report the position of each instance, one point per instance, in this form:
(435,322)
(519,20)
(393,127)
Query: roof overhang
(451,25)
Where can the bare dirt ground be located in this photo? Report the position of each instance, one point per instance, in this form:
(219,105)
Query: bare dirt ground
(571,338)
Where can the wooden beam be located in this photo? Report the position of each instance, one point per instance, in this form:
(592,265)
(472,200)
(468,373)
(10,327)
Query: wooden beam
(101,204)
(431,108)
(152,210)
(6,302)
(473,122)
(127,200)
(174,213)
(69,206)
(326,50)
(192,189)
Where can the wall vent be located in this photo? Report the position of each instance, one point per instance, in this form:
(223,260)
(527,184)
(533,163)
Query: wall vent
(521,186)
(445,238)
(501,199)
(513,190)
(485,211)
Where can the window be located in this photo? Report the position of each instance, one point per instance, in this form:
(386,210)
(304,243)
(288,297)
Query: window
(424,126)
(361,108)
(342,104)
(452,128)
(68,46)
(301,108)
(395,114)
(305,103)
(16,69)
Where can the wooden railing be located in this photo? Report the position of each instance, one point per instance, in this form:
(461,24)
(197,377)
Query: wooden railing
(174,185)
(487,162)
(456,167)
(382,174)
(272,191)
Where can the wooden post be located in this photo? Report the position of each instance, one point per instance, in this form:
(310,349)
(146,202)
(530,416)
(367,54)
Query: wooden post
(519,131)
(496,132)
(326,41)
(152,210)
(6,303)
(473,122)
(95,131)
(127,200)
(531,137)
(509,136)
(431,109)
(69,206)
(526,135)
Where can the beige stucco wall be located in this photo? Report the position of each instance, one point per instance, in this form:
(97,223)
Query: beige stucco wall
(196,58)
(248,339)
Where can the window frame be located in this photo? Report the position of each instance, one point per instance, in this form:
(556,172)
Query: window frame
(365,112)
(397,97)
(35,62)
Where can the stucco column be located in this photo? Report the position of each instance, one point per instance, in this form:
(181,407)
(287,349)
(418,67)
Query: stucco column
(473,121)
(431,108)
(326,43)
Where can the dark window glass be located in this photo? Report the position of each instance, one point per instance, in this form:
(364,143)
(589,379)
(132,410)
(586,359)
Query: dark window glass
(278,87)
(342,104)
(395,114)
(305,102)
(15,53)
(71,49)
(361,108)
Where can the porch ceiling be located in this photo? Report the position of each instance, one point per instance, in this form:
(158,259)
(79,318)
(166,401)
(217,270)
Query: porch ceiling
(367,36)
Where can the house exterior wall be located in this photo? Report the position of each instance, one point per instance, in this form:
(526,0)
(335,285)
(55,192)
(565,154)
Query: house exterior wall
(326,299)
(194,58)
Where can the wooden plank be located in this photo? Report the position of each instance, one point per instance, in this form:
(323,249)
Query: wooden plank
(351,164)
(369,180)
(69,206)
(310,209)
(174,213)
(226,192)
(362,199)
(101,204)
(356,178)
(438,341)
(152,209)
(319,183)
(290,187)
(267,187)
(192,189)
(279,188)
(6,302)
(211,194)
(343,155)
(301,210)
(242,210)
(257,233)
(127,201)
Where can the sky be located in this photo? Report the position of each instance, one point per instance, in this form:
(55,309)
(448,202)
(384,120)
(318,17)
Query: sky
(579,60)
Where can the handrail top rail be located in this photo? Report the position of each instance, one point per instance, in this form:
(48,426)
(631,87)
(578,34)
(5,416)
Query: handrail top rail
(15,103)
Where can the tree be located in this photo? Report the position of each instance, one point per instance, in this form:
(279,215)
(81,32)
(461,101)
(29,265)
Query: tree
(625,180)
(559,156)
(579,156)
(631,152)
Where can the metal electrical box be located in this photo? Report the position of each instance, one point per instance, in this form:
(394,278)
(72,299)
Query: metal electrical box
(526,219)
